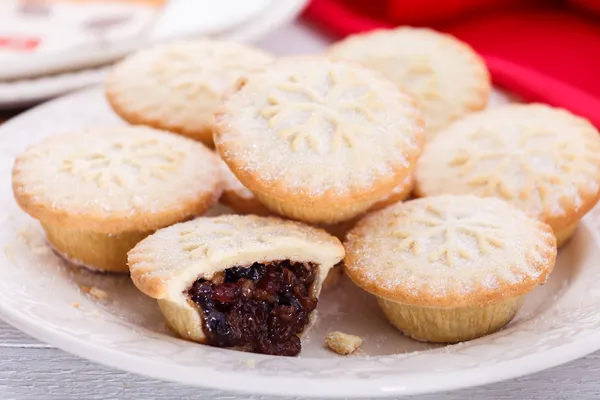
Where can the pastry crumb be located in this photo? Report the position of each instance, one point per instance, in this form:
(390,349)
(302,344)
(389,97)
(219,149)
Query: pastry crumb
(9,251)
(76,305)
(95,292)
(343,343)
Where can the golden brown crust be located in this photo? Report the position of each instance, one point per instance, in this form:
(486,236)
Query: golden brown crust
(177,86)
(447,77)
(319,201)
(137,117)
(239,198)
(380,252)
(400,193)
(116,222)
(491,153)
(84,199)
(166,263)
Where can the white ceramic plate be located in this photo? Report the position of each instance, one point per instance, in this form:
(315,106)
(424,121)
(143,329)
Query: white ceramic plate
(179,18)
(39,294)
(19,93)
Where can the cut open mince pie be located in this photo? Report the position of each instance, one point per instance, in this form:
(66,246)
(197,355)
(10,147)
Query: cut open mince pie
(244,282)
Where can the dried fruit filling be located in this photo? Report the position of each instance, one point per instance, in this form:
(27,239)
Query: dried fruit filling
(261,308)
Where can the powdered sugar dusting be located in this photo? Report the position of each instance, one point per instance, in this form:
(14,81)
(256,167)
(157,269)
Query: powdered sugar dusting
(180,84)
(128,171)
(208,245)
(543,160)
(319,126)
(449,244)
(444,75)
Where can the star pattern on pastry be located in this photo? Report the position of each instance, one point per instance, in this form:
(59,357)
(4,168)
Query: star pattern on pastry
(198,242)
(414,72)
(452,228)
(182,71)
(332,107)
(195,241)
(149,158)
(508,152)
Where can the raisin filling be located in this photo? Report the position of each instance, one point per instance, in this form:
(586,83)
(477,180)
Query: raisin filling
(261,308)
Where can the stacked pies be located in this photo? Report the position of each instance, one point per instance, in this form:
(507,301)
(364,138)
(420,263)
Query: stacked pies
(311,152)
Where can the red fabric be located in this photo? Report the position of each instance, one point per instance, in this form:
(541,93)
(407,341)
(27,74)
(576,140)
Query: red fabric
(430,11)
(541,50)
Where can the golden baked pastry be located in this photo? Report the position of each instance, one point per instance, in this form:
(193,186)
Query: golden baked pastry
(445,75)
(99,192)
(450,268)
(238,197)
(400,193)
(544,160)
(177,86)
(318,140)
(246,282)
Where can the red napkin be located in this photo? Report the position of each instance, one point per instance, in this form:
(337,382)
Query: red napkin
(545,51)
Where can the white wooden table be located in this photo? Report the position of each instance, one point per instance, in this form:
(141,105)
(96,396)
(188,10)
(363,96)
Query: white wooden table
(30,369)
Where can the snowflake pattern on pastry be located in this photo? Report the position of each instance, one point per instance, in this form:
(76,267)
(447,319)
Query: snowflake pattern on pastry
(149,158)
(444,75)
(449,225)
(180,69)
(225,233)
(127,171)
(332,107)
(448,245)
(516,155)
(310,126)
(543,160)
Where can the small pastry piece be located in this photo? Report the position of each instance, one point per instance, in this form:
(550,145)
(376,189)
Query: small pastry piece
(317,140)
(342,343)
(444,74)
(94,292)
(447,269)
(100,192)
(237,281)
(238,197)
(543,160)
(178,86)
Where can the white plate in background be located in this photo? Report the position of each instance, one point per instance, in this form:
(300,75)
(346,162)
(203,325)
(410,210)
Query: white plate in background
(25,92)
(104,32)
(40,295)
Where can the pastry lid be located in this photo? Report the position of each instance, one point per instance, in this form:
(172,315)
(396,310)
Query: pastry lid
(445,75)
(449,251)
(313,128)
(178,86)
(544,160)
(169,261)
(116,179)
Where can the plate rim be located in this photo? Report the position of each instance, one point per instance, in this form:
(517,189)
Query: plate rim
(276,14)
(74,59)
(237,381)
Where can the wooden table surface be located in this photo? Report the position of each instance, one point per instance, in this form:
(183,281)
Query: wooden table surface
(30,369)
